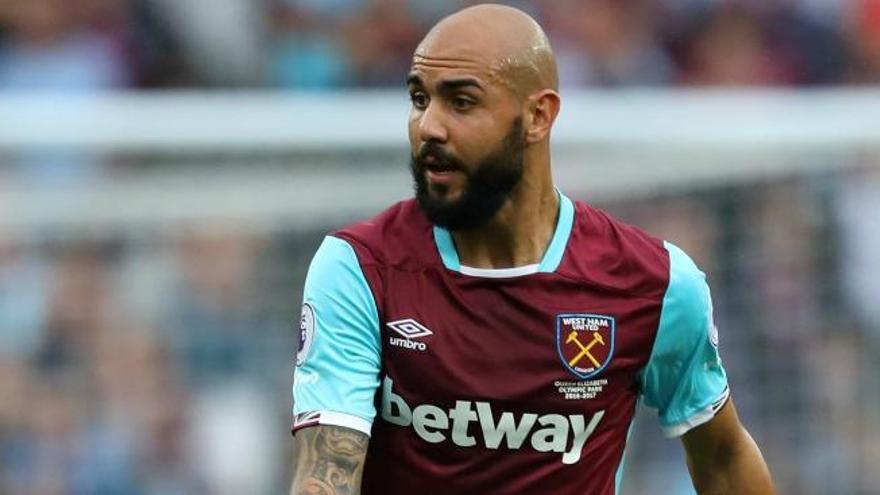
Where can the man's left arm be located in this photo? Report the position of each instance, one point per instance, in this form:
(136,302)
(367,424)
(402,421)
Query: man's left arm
(723,459)
(687,384)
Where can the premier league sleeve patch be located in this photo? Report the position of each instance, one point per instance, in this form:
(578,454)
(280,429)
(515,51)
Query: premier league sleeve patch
(306,333)
(585,342)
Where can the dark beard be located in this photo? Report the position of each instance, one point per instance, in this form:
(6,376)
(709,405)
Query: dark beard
(488,185)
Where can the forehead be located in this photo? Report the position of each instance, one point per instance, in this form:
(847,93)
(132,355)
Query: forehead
(456,51)
(457,42)
(428,67)
(465,64)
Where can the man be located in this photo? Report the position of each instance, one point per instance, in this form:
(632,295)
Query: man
(492,336)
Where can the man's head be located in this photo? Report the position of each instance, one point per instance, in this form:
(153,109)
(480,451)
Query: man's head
(483,85)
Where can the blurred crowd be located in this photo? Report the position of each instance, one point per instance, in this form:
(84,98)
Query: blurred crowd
(792,264)
(326,44)
(144,366)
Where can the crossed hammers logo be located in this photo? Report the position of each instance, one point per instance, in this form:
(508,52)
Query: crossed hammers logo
(585,349)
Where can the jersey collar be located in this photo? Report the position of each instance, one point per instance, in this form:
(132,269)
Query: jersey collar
(549,263)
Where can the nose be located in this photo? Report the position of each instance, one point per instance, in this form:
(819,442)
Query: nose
(432,124)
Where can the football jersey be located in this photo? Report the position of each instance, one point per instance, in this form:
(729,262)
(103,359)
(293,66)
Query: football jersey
(502,381)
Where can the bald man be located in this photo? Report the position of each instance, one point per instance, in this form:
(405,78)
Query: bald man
(492,336)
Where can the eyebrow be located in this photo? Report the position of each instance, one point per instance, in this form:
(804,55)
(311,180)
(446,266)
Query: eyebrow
(448,85)
(453,84)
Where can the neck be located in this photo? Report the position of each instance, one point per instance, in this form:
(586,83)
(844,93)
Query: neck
(520,232)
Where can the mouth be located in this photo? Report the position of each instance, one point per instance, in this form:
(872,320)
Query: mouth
(436,166)
(439,173)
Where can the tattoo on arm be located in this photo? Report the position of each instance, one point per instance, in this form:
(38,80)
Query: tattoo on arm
(328,460)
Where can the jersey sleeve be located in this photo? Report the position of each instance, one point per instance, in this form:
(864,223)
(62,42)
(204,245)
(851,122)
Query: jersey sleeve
(339,357)
(684,378)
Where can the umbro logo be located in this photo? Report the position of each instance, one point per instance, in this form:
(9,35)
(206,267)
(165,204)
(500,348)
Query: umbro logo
(410,329)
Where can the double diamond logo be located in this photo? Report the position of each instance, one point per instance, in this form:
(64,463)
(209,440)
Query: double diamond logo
(410,329)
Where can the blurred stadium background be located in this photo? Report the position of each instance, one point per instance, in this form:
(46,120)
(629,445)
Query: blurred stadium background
(167,169)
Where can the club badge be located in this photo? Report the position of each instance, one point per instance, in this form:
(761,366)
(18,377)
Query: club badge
(585,342)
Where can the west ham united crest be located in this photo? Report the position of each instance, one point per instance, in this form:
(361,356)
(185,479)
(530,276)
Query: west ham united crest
(585,342)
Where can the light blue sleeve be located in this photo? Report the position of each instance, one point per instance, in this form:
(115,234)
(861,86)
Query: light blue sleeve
(684,379)
(339,360)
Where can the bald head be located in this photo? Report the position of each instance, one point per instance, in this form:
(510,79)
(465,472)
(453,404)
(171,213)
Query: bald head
(503,41)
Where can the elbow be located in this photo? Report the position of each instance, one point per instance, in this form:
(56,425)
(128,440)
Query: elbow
(732,467)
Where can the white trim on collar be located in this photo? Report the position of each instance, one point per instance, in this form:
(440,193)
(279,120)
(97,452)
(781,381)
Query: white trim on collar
(517,271)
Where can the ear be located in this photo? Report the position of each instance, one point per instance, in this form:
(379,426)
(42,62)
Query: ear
(542,108)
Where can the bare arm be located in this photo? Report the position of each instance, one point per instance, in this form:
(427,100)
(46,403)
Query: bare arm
(328,460)
(724,460)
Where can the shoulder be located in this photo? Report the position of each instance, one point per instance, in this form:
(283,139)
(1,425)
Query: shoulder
(687,303)
(684,275)
(607,251)
(400,235)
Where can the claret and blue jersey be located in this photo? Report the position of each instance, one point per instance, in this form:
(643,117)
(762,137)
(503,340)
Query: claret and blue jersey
(521,380)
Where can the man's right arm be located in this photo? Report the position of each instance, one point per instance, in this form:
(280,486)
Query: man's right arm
(328,460)
(337,374)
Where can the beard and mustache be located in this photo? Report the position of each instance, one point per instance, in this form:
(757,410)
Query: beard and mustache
(487,187)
